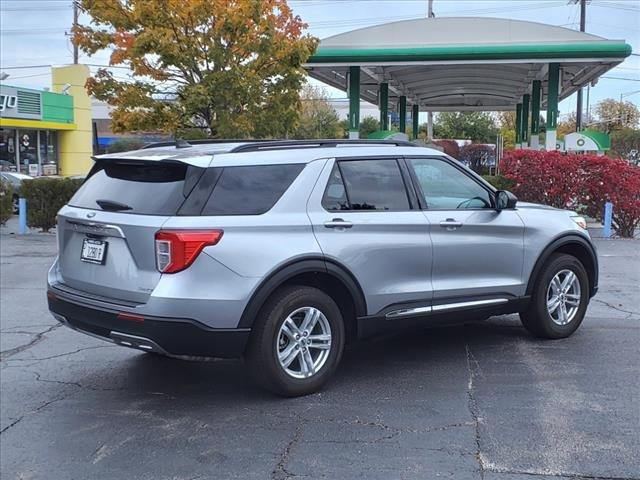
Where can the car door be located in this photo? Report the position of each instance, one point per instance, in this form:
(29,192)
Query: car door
(477,251)
(366,219)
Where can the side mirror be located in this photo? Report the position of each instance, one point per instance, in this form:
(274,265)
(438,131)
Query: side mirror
(505,200)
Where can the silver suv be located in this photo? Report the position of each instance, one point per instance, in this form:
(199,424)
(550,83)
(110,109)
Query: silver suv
(282,252)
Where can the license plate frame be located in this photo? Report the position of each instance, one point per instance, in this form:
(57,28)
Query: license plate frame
(94,251)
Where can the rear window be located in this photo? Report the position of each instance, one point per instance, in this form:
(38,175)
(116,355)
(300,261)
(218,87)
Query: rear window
(366,185)
(137,187)
(250,190)
(162,188)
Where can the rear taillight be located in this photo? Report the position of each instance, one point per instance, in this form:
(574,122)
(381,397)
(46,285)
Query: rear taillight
(177,249)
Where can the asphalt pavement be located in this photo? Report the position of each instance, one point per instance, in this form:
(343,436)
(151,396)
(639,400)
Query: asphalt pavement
(481,401)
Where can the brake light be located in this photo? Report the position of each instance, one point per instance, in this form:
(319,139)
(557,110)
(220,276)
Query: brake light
(131,317)
(177,249)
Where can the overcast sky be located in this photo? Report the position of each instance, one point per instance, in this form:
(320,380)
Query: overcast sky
(33,32)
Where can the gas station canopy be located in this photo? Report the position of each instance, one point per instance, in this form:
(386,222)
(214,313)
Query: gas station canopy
(463,63)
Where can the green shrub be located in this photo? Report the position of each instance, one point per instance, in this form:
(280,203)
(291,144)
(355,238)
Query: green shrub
(500,182)
(6,203)
(45,196)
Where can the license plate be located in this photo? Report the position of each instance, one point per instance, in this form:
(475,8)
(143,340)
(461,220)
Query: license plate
(94,251)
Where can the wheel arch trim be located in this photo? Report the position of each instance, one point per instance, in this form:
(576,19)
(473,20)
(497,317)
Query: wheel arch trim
(554,246)
(296,267)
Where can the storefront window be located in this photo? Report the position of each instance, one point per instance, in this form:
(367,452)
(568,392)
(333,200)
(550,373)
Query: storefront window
(49,152)
(28,152)
(8,158)
(34,152)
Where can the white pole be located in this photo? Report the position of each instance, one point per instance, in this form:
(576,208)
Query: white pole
(430,114)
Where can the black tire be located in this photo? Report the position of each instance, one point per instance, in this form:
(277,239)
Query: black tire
(261,355)
(537,319)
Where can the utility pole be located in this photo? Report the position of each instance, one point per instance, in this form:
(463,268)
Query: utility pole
(588,106)
(583,19)
(75,24)
(430,114)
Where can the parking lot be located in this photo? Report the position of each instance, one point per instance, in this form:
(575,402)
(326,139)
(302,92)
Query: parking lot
(481,401)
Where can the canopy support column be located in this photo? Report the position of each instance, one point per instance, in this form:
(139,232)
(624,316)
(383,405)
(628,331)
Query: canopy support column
(552,106)
(354,102)
(518,125)
(534,141)
(403,114)
(526,99)
(415,113)
(383,104)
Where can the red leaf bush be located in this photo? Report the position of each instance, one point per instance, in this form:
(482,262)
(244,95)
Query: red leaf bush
(478,156)
(450,147)
(577,181)
(550,178)
(617,181)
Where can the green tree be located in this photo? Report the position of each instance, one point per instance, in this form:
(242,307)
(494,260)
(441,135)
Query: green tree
(344,128)
(614,115)
(625,143)
(566,125)
(234,68)
(507,124)
(368,125)
(318,119)
(475,126)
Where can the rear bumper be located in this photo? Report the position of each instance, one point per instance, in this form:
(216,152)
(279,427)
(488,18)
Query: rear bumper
(171,336)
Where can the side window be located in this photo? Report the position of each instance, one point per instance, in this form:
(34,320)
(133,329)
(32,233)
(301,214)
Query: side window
(335,195)
(250,190)
(366,185)
(446,188)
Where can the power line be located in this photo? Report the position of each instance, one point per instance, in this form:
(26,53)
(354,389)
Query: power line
(622,78)
(25,67)
(31,76)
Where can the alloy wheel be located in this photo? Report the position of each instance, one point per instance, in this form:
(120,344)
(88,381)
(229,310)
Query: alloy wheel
(563,297)
(303,343)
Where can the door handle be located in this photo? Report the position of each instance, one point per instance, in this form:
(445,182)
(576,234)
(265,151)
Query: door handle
(338,223)
(451,224)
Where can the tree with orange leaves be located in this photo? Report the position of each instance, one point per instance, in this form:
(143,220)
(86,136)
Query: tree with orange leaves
(230,67)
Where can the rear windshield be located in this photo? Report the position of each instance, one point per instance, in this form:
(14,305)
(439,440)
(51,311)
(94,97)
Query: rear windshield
(160,188)
(137,187)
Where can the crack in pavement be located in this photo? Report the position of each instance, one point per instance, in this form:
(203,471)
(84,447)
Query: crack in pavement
(65,354)
(36,410)
(473,406)
(559,475)
(622,310)
(80,385)
(38,337)
(9,329)
(393,432)
(281,472)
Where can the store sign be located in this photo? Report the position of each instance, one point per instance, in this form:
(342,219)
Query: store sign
(20,103)
(581,142)
(8,102)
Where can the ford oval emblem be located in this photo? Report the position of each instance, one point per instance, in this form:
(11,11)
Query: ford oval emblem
(91,214)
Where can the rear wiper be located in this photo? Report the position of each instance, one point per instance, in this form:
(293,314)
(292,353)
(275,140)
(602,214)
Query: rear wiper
(112,206)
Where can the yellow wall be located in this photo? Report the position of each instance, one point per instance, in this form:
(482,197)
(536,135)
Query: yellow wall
(75,147)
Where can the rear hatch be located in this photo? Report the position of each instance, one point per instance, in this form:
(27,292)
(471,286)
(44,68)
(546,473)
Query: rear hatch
(106,233)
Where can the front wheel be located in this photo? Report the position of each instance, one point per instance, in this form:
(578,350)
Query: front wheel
(559,300)
(296,342)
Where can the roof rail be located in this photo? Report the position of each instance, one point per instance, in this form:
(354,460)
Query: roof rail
(189,143)
(285,144)
(256,145)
